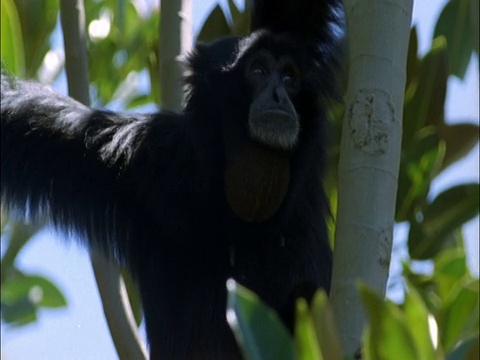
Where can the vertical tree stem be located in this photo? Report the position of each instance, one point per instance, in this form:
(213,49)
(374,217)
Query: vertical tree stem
(370,156)
(109,281)
(175,40)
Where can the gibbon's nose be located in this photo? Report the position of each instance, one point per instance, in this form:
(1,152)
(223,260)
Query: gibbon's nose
(280,95)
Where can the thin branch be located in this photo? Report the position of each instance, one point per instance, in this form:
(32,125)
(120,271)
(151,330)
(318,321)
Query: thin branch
(109,281)
(117,310)
(175,40)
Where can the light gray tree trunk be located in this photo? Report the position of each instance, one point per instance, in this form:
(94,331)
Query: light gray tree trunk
(378,33)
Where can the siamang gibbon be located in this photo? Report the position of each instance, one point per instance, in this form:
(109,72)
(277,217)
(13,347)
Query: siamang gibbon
(229,188)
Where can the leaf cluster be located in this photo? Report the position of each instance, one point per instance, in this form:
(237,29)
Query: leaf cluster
(439,319)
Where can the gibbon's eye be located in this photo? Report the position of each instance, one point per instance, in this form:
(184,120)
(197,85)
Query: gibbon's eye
(288,76)
(287,79)
(258,69)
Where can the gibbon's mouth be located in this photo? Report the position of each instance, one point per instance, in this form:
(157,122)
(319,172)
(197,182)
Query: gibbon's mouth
(275,128)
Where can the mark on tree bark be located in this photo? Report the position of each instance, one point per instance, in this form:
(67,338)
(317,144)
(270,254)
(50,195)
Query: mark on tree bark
(371,116)
(385,245)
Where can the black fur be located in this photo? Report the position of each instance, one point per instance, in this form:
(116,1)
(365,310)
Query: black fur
(149,189)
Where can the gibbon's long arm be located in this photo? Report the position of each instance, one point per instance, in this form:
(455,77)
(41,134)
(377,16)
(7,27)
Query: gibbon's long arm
(74,164)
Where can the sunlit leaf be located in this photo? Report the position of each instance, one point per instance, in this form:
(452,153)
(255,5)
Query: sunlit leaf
(37,19)
(103,74)
(450,267)
(457,297)
(23,295)
(457,312)
(12,51)
(123,52)
(305,336)
(327,334)
(387,335)
(416,315)
(40,291)
(423,283)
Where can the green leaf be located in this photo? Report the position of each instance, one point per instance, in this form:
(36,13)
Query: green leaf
(18,234)
(327,334)
(457,295)
(387,335)
(423,284)
(259,332)
(39,290)
(104,75)
(419,164)
(130,47)
(128,23)
(457,312)
(454,24)
(416,314)
(37,19)
(4,219)
(19,313)
(138,101)
(413,64)
(460,139)
(466,350)
(448,211)
(23,295)
(12,52)
(215,26)
(241,20)
(425,97)
(450,268)
(305,336)
(474,20)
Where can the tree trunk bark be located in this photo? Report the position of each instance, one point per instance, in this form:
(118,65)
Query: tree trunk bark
(370,155)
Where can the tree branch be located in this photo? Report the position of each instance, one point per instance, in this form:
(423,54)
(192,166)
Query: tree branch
(110,284)
(175,40)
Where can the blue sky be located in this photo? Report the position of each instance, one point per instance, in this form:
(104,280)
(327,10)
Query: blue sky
(79,332)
